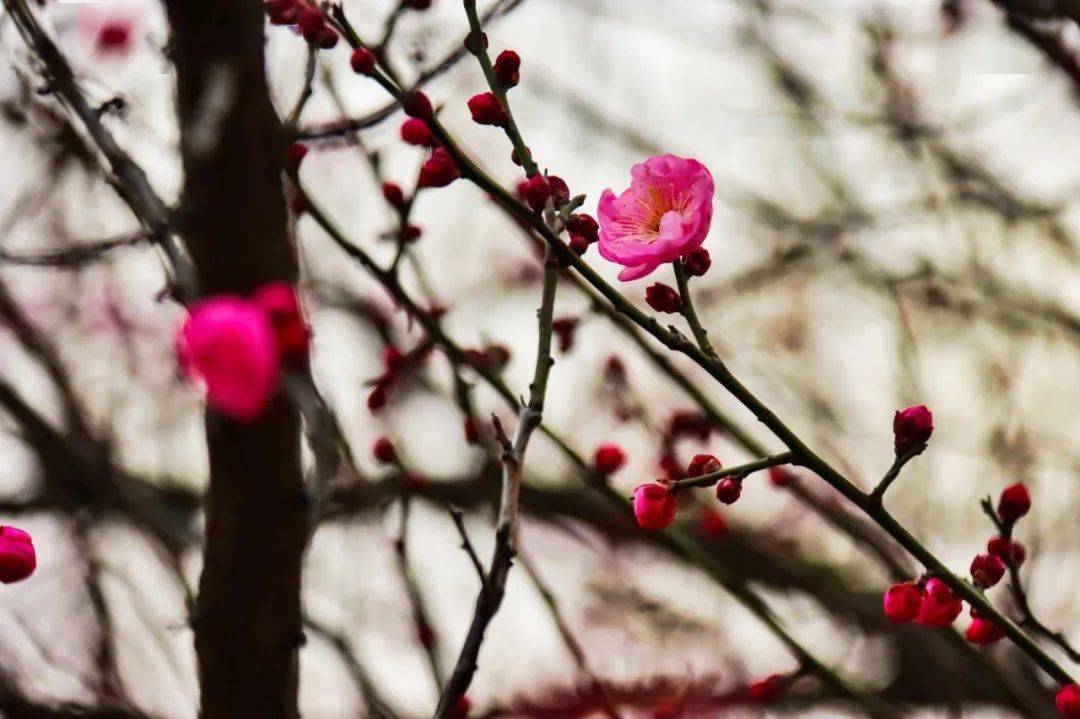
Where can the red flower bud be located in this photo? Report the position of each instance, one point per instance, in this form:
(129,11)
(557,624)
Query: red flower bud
(564,328)
(671,468)
(18,560)
(1005,548)
(940,607)
(654,506)
(416,132)
(987,570)
(311,22)
(728,490)
(780,477)
(578,245)
(560,191)
(689,423)
(902,602)
(584,225)
(328,38)
(983,632)
(461,711)
(711,523)
(766,690)
(487,110)
(535,192)
(1014,503)
(393,359)
(615,369)
(609,458)
(294,155)
(667,709)
(363,61)
(912,428)
(663,298)
(384,451)
(702,464)
(416,104)
(696,262)
(1068,701)
(439,170)
(508,68)
(292,336)
(377,399)
(393,194)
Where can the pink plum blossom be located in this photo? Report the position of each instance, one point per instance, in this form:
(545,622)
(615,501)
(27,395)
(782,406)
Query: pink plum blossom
(665,214)
(17,556)
(227,345)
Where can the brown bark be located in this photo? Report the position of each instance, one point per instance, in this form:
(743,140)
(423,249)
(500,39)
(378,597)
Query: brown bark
(233,215)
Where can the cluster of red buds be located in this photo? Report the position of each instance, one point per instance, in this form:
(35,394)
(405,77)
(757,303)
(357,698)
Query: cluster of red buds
(931,602)
(663,298)
(307,17)
(583,230)
(492,357)
(395,362)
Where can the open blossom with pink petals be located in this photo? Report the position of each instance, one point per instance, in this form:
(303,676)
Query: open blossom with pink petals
(665,214)
(227,345)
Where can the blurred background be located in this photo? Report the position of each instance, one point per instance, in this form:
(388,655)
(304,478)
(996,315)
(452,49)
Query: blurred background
(895,224)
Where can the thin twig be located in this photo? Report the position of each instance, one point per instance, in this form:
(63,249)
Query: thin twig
(128,178)
(459,522)
(740,470)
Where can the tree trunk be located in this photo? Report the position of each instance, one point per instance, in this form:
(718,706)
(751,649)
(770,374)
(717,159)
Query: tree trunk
(233,215)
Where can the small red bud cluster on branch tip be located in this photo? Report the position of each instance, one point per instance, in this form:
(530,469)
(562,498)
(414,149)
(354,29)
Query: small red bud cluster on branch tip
(564,328)
(1068,701)
(362,61)
(663,298)
(439,170)
(729,489)
(1014,503)
(394,363)
(508,69)
(982,632)
(912,428)
(393,194)
(583,230)
(416,104)
(233,347)
(307,17)
(18,559)
(654,506)
(702,464)
(609,458)
(766,690)
(415,131)
(535,192)
(987,570)
(780,477)
(1007,549)
(486,109)
(383,451)
(930,604)
(493,357)
(696,262)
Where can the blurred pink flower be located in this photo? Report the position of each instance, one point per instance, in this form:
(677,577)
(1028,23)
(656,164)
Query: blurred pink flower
(665,213)
(17,556)
(109,27)
(227,345)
